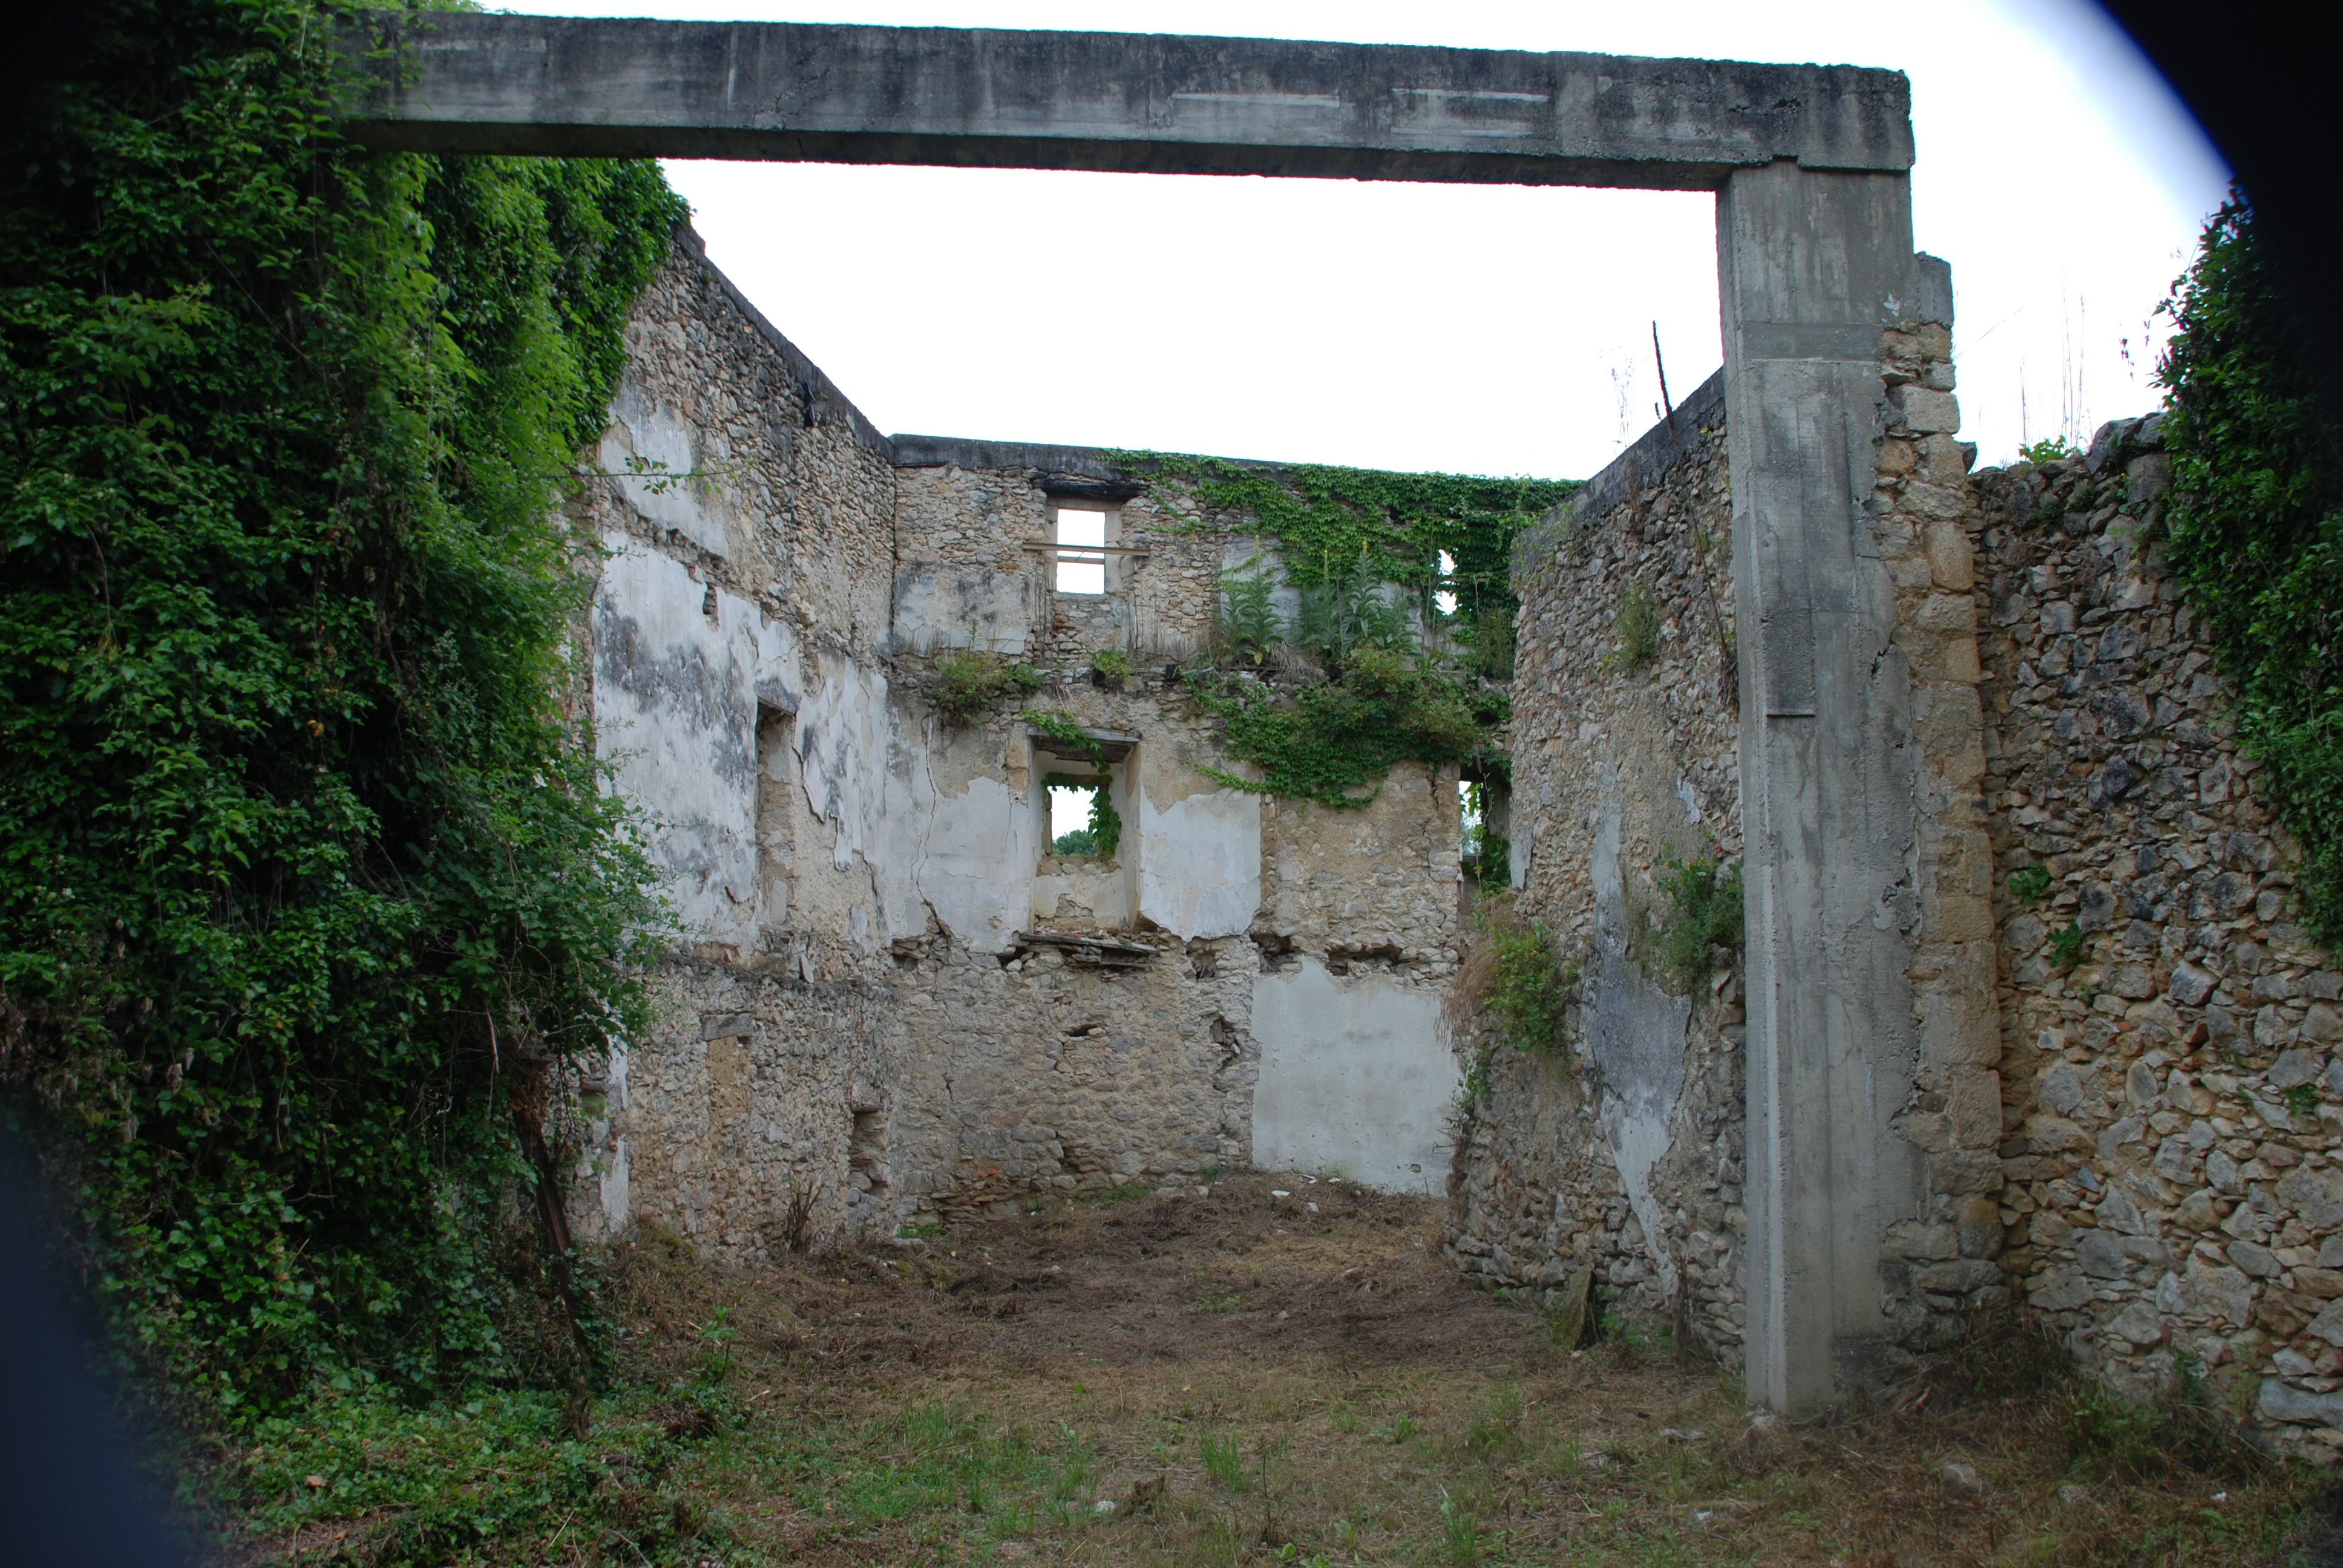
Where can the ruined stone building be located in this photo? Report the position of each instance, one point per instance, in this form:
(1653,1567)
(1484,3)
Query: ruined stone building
(887,1011)
(2124,1105)
(2022,1006)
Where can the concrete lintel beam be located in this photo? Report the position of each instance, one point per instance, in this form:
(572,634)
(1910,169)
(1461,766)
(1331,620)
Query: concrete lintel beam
(457,82)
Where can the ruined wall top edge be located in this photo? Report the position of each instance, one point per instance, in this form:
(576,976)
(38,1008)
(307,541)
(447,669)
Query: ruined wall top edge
(1656,453)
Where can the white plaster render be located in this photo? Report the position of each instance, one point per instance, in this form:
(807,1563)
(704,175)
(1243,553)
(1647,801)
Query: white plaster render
(1356,1080)
(976,864)
(1636,1033)
(671,491)
(675,710)
(1199,863)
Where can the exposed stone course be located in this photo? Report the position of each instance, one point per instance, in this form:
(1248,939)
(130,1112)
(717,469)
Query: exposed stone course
(2171,1111)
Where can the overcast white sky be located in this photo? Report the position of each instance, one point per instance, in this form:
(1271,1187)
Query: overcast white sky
(1477,329)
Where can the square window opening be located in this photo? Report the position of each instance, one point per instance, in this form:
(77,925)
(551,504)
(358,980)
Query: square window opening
(1081,541)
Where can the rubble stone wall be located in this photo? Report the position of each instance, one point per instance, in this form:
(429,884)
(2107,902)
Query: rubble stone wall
(2173,1097)
(866,1024)
(1624,1152)
(1620,1150)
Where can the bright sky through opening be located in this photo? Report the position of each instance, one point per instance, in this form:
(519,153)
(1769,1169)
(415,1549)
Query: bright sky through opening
(1070,811)
(1478,329)
(1077,527)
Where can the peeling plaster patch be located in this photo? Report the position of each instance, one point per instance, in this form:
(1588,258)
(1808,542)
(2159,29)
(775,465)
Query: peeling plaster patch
(1356,1080)
(675,708)
(1199,863)
(1636,1033)
(698,509)
(869,782)
(962,607)
(976,867)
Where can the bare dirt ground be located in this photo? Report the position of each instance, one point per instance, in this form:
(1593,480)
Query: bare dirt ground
(1244,1377)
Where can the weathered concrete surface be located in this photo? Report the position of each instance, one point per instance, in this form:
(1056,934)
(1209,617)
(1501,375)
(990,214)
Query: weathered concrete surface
(1356,1080)
(1813,267)
(1134,103)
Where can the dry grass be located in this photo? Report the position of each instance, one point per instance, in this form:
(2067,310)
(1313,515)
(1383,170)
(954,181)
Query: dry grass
(1246,1380)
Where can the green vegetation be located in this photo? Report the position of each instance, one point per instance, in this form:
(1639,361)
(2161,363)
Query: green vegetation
(2030,883)
(1637,627)
(1111,667)
(2255,531)
(1704,912)
(310,895)
(2049,449)
(969,682)
(1104,836)
(1511,973)
(1249,627)
(1325,518)
(2066,947)
(1223,1451)
(1328,741)
(1487,854)
(1370,556)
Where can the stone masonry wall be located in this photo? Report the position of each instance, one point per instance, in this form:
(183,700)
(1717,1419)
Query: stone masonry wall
(1617,768)
(2172,1100)
(860,1029)
(1940,1265)
(1620,1151)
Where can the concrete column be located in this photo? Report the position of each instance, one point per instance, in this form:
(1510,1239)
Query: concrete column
(1813,265)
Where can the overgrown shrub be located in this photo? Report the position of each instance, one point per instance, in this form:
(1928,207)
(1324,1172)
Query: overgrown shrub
(1704,912)
(1328,741)
(1111,668)
(1248,625)
(1345,610)
(1512,974)
(302,852)
(969,682)
(2255,531)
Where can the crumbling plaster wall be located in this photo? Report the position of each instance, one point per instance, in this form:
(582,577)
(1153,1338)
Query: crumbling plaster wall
(1620,1151)
(856,1030)
(1624,1152)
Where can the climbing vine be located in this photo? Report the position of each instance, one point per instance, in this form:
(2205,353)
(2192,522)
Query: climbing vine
(1105,831)
(1325,518)
(308,884)
(2255,529)
(1334,741)
(1346,538)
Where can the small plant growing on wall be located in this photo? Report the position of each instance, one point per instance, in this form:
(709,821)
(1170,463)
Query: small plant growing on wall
(1705,913)
(1637,627)
(1248,626)
(1111,668)
(968,682)
(2029,883)
(2066,947)
(2049,449)
(1513,977)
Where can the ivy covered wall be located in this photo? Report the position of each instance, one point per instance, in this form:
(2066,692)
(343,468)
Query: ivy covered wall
(306,880)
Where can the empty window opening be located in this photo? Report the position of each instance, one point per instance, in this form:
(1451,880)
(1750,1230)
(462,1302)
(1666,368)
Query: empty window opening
(1446,596)
(1070,819)
(1082,550)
